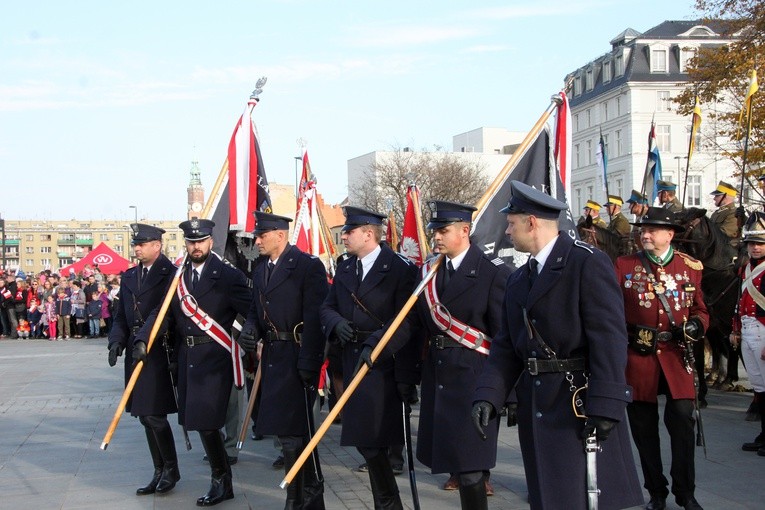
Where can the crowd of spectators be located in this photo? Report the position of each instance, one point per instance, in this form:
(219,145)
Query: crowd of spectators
(53,307)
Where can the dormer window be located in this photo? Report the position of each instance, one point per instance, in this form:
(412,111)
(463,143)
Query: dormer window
(606,71)
(619,65)
(686,54)
(659,59)
(577,85)
(590,79)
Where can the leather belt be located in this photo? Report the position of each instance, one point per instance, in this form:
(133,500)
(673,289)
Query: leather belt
(541,366)
(664,336)
(443,342)
(279,336)
(191,341)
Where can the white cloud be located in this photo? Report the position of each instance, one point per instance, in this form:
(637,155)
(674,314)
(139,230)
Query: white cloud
(413,35)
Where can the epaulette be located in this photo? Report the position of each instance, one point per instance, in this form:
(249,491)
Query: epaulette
(404,258)
(497,261)
(584,245)
(690,261)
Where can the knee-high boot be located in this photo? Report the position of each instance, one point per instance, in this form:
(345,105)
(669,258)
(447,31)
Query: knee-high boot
(473,497)
(294,489)
(221,486)
(166,443)
(156,458)
(383,481)
(313,488)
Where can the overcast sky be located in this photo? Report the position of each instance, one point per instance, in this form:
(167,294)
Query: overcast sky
(104,105)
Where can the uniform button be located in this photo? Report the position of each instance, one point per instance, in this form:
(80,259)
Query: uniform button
(627,393)
(440,386)
(191,366)
(268,302)
(661,311)
(537,382)
(658,351)
(438,362)
(533,354)
(533,321)
(270,365)
(538,415)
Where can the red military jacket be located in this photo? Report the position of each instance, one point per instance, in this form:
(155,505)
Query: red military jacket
(746,305)
(680,281)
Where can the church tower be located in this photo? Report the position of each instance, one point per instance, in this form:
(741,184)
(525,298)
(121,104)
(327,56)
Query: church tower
(196,192)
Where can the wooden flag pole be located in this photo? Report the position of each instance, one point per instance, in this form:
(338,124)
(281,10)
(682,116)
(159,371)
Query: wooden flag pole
(250,407)
(424,248)
(359,376)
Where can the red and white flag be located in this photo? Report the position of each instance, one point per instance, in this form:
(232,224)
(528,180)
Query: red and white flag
(307,232)
(412,245)
(562,149)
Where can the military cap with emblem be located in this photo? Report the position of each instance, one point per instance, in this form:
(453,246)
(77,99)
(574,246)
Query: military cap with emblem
(637,198)
(525,199)
(723,188)
(197,229)
(143,233)
(356,217)
(659,217)
(754,228)
(666,186)
(267,222)
(591,204)
(444,213)
(614,200)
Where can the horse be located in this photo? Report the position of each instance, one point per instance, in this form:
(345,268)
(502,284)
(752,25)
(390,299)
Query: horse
(609,242)
(705,241)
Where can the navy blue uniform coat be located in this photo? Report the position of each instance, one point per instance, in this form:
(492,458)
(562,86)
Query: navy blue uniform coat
(293,295)
(153,391)
(372,416)
(446,439)
(205,373)
(576,306)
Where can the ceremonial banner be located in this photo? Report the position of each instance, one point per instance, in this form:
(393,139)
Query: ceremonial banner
(563,143)
(411,241)
(307,231)
(652,168)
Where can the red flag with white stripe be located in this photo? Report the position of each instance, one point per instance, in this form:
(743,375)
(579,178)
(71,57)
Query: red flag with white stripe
(307,232)
(562,150)
(411,243)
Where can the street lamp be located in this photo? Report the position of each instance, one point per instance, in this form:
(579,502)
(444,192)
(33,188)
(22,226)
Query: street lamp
(136,212)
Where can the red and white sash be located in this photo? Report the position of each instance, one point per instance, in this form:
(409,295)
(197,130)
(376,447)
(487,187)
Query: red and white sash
(6,293)
(190,309)
(457,330)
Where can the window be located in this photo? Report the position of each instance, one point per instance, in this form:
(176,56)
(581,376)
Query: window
(589,117)
(45,237)
(605,146)
(29,262)
(619,65)
(697,142)
(578,192)
(66,237)
(686,54)
(590,79)
(589,152)
(30,237)
(577,160)
(173,237)
(617,187)
(605,110)
(118,237)
(104,237)
(618,149)
(45,262)
(693,196)
(659,60)
(576,126)
(663,101)
(662,138)
(606,71)
(577,85)
(29,249)
(618,106)
(45,249)
(118,248)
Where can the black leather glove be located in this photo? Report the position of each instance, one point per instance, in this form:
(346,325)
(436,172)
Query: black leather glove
(407,392)
(482,413)
(115,351)
(344,332)
(139,352)
(247,339)
(693,328)
(512,414)
(173,369)
(364,358)
(309,378)
(740,214)
(599,425)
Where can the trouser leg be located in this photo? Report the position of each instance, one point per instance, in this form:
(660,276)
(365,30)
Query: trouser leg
(679,419)
(14,322)
(156,459)
(473,491)
(221,486)
(382,479)
(233,422)
(292,447)
(644,424)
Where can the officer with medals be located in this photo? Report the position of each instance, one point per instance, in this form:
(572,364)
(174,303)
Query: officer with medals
(209,296)
(142,289)
(725,215)
(289,286)
(665,314)
(461,310)
(667,196)
(369,289)
(562,334)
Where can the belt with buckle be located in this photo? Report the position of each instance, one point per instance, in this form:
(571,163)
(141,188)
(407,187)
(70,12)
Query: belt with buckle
(444,342)
(280,336)
(542,366)
(191,341)
(664,336)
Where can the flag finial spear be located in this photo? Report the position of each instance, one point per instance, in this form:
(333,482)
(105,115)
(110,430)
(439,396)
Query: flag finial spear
(258,88)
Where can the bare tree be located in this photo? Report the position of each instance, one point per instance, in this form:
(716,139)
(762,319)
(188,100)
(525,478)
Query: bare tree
(440,175)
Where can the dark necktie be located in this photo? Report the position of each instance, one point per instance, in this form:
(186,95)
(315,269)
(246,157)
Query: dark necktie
(269,271)
(359,270)
(194,279)
(144,272)
(448,273)
(533,271)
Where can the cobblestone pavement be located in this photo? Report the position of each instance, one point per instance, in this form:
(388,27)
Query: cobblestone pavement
(58,398)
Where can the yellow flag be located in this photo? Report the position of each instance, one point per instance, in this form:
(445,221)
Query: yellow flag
(695,125)
(753,88)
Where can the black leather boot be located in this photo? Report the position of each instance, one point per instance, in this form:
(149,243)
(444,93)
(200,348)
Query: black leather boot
(473,497)
(221,486)
(295,488)
(313,488)
(166,443)
(383,481)
(156,458)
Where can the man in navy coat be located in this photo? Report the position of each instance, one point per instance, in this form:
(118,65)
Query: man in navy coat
(289,286)
(142,289)
(461,310)
(369,289)
(562,328)
(210,294)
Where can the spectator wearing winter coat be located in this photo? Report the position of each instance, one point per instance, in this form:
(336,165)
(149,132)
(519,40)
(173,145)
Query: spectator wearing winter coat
(78,308)
(94,310)
(34,314)
(106,313)
(63,312)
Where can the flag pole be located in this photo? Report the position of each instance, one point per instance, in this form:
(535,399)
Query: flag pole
(753,87)
(424,248)
(648,157)
(691,142)
(604,159)
(168,297)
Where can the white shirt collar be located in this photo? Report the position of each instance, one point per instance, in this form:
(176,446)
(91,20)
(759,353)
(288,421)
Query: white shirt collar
(456,261)
(541,257)
(368,261)
(199,268)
